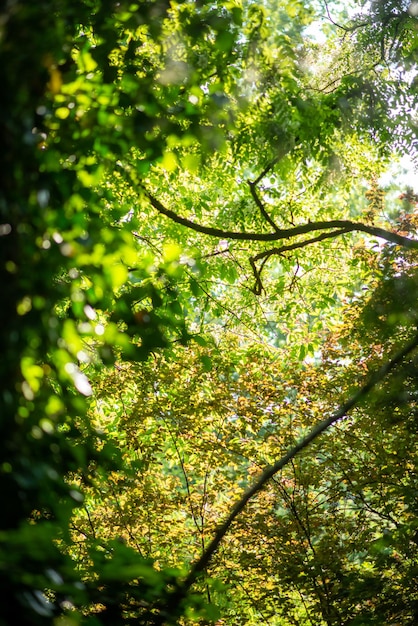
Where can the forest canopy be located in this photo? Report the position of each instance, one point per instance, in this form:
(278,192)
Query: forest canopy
(209,370)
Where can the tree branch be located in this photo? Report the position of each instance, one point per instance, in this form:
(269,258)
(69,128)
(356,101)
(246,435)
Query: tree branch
(268,167)
(344,28)
(266,254)
(283,233)
(260,205)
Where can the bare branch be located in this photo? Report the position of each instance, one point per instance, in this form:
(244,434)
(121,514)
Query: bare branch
(258,287)
(283,233)
(199,526)
(267,169)
(332,21)
(260,205)
(266,254)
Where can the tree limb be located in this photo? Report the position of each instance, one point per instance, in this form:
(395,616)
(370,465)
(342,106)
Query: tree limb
(266,254)
(283,233)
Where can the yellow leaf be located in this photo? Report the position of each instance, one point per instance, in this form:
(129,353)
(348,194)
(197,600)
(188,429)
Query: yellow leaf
(169,162)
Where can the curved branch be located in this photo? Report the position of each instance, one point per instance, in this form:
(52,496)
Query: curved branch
(299,244)
(283,233)
(266,254)
(344,28)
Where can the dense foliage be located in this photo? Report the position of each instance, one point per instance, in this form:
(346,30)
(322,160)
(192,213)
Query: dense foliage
(209,327)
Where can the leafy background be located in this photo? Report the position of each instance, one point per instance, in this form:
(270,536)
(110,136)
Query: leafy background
(200,263)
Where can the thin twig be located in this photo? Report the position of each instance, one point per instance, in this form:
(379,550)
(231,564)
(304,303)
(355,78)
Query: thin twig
(260,205)
(267,169)
(344,28)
